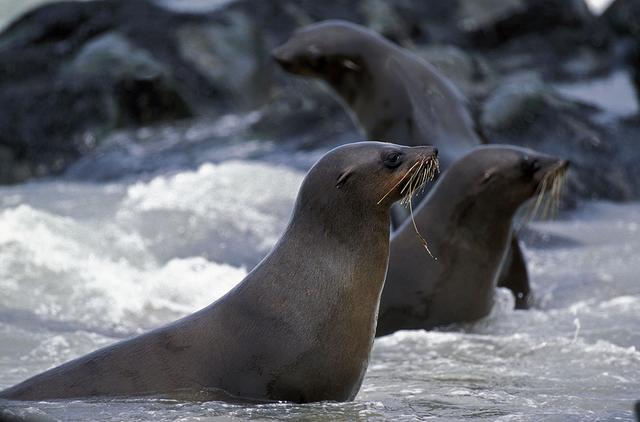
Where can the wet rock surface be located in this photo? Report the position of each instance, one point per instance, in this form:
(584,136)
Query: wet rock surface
(72,73)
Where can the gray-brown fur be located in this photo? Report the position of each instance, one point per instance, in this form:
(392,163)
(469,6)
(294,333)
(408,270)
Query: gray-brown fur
(467,219)
(394,95)
(299,327)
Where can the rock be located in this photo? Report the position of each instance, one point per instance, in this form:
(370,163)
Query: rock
(47,125)
(623,16)
(112,55)
(525,111)
(305,115)
(381,17)
(469,72)
(482,15)
(72,71)
(494,22)
(141,89)
(519,35)
(518,102)
(232,55)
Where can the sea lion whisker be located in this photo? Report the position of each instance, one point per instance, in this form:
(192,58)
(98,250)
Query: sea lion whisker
(427,174)
(550,196)
(553,197)
(398,183)
(539,197)
(423,241)
(424,173)
(556,194)
(547,197)
(410,183)
(535,205)
(561,181)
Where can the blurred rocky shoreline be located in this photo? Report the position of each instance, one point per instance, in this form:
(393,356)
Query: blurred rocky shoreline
(547,74)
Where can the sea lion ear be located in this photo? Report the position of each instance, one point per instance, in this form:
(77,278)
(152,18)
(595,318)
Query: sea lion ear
(342,179)
(349,64)
(488,175)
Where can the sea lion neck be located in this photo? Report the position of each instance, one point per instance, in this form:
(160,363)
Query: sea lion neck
(322,284)
(350,255)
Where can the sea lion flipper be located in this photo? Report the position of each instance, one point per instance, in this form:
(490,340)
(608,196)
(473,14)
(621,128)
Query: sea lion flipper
(514,276)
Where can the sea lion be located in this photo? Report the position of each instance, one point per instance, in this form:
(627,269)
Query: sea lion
(467,220)
(392,94)
(298,328)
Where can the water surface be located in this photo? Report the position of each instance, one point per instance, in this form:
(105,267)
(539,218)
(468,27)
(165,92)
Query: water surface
(85,264)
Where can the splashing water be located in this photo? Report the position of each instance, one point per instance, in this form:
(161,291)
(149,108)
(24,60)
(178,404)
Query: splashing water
(84,265)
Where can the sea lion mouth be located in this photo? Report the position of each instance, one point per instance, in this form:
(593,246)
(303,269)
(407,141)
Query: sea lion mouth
(421,172)
(546,199)
(413,183)
(280,56)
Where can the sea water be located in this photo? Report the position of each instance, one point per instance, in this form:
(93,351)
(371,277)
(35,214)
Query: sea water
(85,264)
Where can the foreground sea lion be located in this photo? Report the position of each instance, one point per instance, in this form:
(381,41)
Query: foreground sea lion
(467,220)
(394,94)
(298,328)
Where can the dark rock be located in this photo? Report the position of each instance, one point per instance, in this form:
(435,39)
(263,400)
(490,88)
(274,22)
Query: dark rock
(495,22)
(471,73)
(47,125)
(233,56)
(540,34)
(623,16)
(112,55)
(513,35)
(71,71)
(525,111)
(98,66)
(307,113)
(142,90)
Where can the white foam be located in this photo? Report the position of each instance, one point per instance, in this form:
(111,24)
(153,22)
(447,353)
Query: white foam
(232,212)
(155,253)
(82,264)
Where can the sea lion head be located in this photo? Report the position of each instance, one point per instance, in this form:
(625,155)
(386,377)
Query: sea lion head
(505,177)
(328,50)
(366,175)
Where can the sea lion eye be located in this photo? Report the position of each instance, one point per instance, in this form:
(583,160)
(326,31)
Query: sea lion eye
(320,62)
(393,159)
(529,166)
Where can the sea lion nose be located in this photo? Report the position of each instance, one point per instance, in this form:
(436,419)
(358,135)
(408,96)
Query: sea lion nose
(429,152)
(279,55)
